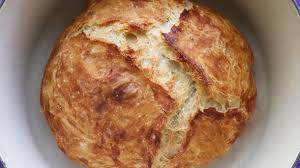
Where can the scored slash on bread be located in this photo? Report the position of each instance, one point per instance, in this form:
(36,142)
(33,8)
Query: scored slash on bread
(161,83)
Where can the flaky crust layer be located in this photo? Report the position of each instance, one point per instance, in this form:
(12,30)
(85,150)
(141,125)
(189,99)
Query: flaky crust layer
(163,83)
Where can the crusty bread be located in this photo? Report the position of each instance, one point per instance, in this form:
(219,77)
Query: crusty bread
(136,83)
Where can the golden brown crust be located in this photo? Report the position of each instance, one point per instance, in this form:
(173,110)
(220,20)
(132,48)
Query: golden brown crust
(119,78)
(211,134)
(216,53)
(90,102)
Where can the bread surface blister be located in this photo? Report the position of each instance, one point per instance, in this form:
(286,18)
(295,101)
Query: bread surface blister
(140,84)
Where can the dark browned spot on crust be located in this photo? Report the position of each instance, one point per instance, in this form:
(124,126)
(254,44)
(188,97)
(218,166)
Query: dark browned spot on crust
(213,113)
(139,3)
(97,148)
(154,137)
(120,136)
(124,92)
(118,94)
(114,74)
(174,31)
(115,155)
(149,161)
(147,157)
(101,107)
(138,28)
(184,58)
(84,161)
(184,14)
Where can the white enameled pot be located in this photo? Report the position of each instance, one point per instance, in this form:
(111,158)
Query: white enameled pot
(28,29)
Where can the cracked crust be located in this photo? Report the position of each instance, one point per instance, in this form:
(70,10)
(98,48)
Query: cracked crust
(216,53)
(97,110)
(148,84)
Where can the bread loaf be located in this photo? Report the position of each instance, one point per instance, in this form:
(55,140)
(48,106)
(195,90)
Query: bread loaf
(140,84)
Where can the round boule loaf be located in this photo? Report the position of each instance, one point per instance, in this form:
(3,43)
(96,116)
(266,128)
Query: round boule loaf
(140,84)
